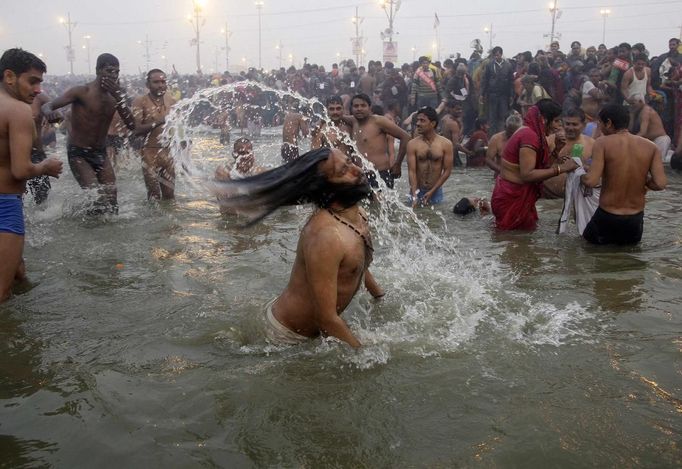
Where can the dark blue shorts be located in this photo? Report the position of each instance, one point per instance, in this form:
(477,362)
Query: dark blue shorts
(12,214)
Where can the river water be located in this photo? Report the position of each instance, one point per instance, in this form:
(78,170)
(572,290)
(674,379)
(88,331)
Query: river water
(141,341)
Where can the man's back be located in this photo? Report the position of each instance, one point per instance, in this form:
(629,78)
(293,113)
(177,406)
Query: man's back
(627,162)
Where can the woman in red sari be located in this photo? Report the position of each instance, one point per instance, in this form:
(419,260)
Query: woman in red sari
(525,164)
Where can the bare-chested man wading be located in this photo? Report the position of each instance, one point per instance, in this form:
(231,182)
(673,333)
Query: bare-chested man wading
(92,108)
(429,160)
(334,133)
(22,74)
(295,126)
(369,132)
(150,111)
(627,166)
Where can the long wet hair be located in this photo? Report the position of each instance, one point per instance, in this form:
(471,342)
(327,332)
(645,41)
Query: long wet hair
(298,182)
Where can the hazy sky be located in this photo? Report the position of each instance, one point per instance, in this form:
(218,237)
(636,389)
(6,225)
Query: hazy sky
(317,29)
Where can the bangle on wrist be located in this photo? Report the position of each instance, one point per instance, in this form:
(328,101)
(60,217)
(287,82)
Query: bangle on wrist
(558,170)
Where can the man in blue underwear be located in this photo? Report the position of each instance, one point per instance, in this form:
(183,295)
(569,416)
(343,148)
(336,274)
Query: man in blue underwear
(627,166)
(429,160)
(92,108)
(22,74)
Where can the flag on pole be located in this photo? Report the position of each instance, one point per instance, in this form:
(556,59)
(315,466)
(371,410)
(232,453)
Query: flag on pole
(436,21)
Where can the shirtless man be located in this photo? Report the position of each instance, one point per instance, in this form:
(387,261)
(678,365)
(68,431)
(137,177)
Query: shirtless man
(244,165)
(92,109)
(451,127)
(645,122)
(295,125)
(335,133)
(429,160)
(498,141)
(627,166)
(593,94)
(22,74)
(334,249)
(573,121)
(369,133)
(244,162)
(150,111)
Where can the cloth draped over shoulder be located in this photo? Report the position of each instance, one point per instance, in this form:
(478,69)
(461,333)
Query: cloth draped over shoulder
(514,204)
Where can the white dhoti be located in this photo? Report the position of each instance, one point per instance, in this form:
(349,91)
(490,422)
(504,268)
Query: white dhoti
(277,333)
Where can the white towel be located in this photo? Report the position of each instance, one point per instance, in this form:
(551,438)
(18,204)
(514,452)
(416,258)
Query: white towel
(584,199)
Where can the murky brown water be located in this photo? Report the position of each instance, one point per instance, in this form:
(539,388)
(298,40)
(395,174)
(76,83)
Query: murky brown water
(141,344)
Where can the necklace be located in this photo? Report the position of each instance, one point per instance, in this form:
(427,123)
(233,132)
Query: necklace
(365,239)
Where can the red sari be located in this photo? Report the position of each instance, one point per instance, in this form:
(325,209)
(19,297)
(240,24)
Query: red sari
(514,204)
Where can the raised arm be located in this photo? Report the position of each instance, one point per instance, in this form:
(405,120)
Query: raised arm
(392,129)
(323,254)
(529,173)
(69,97)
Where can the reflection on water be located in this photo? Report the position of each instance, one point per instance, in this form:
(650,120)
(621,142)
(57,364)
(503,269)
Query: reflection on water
(143,336)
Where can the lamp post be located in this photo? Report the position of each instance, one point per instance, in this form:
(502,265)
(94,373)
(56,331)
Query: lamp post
(357,40)
(70,54)
(489,32)
(259,6)
(604,12)
(391,8)
(280,48)
(227,34)
(556,14)
(87,38)
(197,7)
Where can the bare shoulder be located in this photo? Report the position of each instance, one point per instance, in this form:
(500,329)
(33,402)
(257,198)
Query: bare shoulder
(445,142)
(139,101)
(496,138)
(321,233)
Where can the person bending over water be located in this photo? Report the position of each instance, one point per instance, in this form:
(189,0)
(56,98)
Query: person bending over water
(429,160)
(92,108)
(334,249)
(627,165)
(22,74)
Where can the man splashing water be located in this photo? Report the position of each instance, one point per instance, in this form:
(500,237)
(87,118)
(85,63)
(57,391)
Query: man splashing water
(334,249)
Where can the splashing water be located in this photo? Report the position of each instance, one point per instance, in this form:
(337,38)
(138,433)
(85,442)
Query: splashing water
(440,298)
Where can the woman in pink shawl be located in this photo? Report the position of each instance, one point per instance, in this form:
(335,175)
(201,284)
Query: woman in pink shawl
(525,164)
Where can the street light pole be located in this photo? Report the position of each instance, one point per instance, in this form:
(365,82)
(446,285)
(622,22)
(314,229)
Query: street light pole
(280,48)
(70,26)
(605,14)
(489,32)
(196,24)
(554,9)
(227,34)
(357,41)
(87,38)
(259,6)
